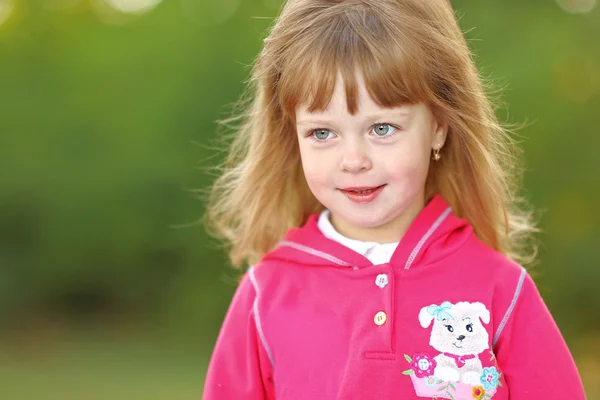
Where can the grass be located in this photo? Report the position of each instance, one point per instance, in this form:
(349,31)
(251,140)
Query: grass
(90,367)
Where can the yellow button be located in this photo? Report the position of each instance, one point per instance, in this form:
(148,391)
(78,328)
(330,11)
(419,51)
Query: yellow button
(380,318)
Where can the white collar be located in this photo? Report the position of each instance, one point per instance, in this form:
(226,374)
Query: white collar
(360,247)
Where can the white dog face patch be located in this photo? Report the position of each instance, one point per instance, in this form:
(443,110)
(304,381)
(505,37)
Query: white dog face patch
(453,368)
(457,329)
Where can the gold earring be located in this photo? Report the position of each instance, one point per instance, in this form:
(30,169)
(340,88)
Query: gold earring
(436,154)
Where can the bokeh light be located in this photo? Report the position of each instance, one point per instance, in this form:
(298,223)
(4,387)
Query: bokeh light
(133,6)
(6,9)
(209,12)
(577,6)
(118,12)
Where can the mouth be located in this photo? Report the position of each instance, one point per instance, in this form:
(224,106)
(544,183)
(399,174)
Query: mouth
(362,194)
(458,347)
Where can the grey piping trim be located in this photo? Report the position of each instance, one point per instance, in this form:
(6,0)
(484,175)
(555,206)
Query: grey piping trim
(511,307)
(257,317)
(417,248)
(314,252)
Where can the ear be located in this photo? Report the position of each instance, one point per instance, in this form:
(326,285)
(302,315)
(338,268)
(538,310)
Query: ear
(440,133)
(424,317)
(481,312)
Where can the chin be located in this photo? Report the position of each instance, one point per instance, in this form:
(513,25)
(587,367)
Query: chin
(365,222)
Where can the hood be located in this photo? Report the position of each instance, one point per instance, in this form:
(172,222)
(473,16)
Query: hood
(434,233)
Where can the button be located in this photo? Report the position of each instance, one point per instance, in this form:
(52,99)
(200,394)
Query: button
(381,280)
(380,318)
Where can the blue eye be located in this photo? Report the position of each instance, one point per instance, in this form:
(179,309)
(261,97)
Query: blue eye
(383,130)
(321,134)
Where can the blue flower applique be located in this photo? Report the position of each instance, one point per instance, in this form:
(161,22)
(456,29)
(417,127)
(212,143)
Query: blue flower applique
(489,378)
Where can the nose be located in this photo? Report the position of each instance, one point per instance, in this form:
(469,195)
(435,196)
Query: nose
(461,337)
(355,157)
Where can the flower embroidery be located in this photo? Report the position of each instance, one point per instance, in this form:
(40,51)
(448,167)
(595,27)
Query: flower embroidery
(423,365)
(489,378)
(478,392)
(426,385)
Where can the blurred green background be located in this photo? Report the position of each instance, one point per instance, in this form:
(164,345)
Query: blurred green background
(109,289)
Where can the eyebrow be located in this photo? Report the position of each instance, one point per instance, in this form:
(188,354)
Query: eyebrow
(402,113)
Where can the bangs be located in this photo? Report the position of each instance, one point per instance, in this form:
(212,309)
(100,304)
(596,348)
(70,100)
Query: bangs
(355,41)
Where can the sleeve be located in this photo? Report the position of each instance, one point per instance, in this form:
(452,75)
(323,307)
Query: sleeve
(532,353)
(240,367)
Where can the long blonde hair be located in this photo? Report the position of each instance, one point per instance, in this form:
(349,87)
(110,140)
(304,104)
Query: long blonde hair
(408,51)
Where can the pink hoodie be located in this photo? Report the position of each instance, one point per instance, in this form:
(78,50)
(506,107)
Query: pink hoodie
(446,318)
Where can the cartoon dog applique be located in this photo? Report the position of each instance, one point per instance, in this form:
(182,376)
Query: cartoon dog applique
(458,334)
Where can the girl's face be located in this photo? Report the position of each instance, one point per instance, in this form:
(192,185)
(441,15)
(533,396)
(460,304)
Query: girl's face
(368,169)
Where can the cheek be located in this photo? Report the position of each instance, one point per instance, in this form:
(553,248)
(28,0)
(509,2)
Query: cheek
(409,172)
(315,177)
(407,164)
(316,169)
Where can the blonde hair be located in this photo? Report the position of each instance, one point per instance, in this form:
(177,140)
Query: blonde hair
(408,51)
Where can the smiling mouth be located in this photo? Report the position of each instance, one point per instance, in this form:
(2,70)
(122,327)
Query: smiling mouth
(458,347)
(362,195)
(361,190)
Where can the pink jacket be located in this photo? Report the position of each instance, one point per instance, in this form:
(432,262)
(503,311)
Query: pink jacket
(447,318)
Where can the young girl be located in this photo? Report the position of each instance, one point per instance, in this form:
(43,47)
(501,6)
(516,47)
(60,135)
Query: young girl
(372,189)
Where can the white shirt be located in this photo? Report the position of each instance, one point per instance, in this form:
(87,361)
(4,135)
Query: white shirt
(377,253)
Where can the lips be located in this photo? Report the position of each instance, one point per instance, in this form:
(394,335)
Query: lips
(361,189)
(362,194)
